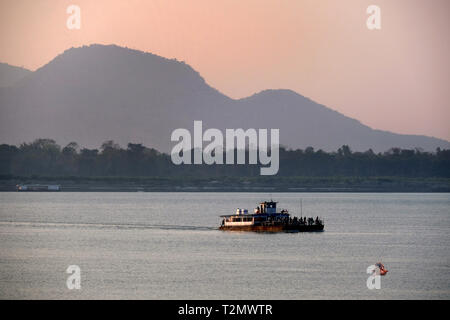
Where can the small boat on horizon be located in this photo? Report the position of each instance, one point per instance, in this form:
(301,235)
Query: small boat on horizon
(38,187)
(266,219)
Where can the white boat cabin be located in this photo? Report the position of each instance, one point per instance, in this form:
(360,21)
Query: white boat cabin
(265,211)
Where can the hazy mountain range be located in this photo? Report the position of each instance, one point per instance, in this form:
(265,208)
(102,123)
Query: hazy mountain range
(9,75)
(97,93)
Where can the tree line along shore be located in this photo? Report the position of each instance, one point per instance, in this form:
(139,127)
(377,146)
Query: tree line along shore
(139,168)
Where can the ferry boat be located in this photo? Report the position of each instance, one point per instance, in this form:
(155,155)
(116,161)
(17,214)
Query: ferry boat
(266,219)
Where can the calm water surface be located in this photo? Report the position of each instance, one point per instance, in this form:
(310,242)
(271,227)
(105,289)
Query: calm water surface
(167,246)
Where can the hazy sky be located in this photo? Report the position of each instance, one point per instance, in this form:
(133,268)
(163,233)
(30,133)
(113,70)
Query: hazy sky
(396,78)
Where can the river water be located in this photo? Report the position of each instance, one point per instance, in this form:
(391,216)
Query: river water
(167,246)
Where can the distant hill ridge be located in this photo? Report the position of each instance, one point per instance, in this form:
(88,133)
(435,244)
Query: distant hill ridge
(9,75)
(100,92)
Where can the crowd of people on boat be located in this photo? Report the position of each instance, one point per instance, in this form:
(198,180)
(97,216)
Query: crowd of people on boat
(304,220)
(294,220)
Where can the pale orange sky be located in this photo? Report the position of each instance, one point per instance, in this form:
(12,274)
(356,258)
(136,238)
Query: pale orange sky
(396,78)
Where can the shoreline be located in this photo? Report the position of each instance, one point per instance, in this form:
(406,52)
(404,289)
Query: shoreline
(234,184)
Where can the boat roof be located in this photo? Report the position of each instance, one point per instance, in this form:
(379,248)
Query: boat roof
(254,215)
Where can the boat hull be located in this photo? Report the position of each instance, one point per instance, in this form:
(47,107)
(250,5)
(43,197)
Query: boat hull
(274,228)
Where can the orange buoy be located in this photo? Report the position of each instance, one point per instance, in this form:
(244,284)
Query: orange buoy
(382,269)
